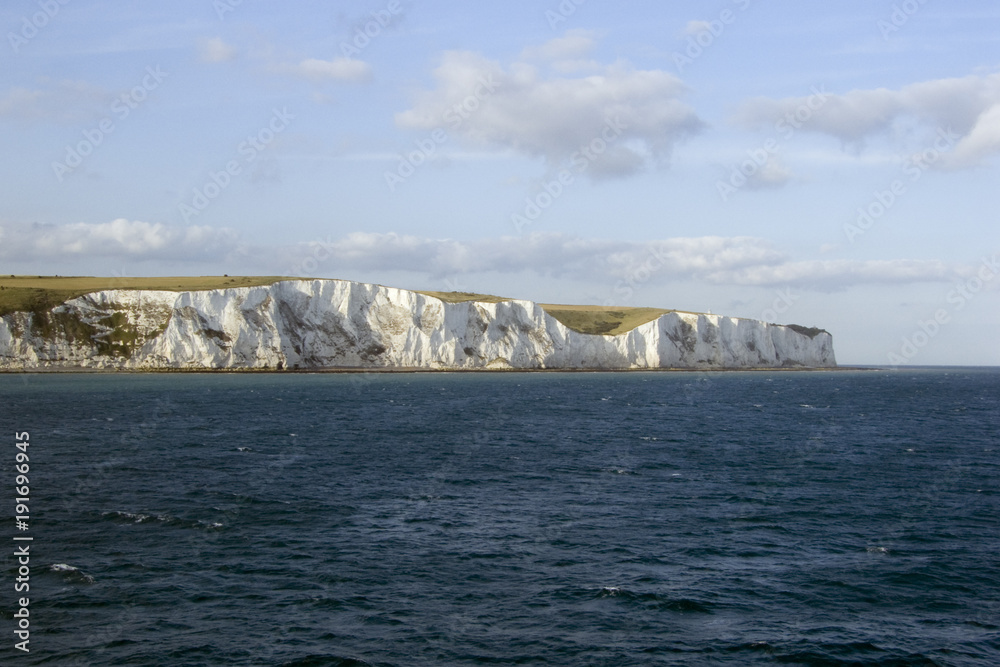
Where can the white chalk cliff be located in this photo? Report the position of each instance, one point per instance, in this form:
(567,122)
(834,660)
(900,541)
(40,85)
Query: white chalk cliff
(316,324)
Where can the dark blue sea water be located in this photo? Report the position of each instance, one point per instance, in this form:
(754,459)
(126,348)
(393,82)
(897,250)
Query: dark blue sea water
(827,518)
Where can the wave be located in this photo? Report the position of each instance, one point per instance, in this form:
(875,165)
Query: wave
(71,574)
(166,519)
(655,600)
(853,655)
(325,661)
(835,654)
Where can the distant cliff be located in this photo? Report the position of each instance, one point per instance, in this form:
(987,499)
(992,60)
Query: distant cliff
(317,324)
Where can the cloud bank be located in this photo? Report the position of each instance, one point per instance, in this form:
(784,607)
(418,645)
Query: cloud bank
(66,101)
(216,50)
(530,108)
(121,238)
(711,259)
(969,106)
(715,260)
(317,70)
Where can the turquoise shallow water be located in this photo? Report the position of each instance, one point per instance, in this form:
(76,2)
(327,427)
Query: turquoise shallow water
(828,518)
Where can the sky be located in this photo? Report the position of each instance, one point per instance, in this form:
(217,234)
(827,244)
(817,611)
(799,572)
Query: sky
(824,164)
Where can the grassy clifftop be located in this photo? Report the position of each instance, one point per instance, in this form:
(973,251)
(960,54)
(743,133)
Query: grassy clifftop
(584,319)
(41,293)
(601,319)
(459,297)
(38,293)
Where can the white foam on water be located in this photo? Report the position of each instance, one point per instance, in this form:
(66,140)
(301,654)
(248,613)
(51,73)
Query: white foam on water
(71,572)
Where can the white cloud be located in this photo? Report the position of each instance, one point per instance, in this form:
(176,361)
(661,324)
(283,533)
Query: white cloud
(575,44)
(215,50)
(520,108)
(578,66)
(713,260)
(744,261)
(969,106)
(21,103)
(695,27)
(839,273)
(117,238)
(64,101)
(773,174)
(982,141)
(338,69)
(547,254)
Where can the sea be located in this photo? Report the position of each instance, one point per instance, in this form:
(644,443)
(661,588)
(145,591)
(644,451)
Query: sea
(847,517)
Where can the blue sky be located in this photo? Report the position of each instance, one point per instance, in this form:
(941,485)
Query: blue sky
(826,164)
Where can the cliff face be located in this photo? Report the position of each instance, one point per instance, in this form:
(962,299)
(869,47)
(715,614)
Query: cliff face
(340,324)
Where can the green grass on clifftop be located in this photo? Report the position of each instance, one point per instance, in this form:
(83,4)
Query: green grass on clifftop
(459,297)
(583,319)
(603,320)
(39,293)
